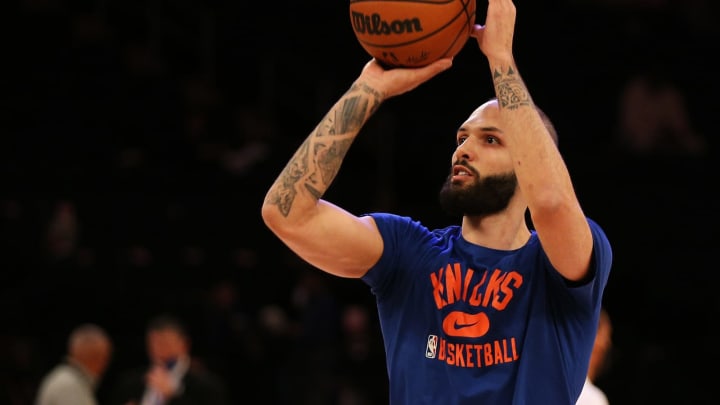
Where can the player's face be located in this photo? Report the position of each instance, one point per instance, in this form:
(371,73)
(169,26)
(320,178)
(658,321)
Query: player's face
(481,180)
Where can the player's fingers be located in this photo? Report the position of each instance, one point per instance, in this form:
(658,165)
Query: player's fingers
(424,73)
(440,65)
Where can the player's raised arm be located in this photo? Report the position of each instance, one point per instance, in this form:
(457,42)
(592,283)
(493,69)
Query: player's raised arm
(542,175)
(320,232)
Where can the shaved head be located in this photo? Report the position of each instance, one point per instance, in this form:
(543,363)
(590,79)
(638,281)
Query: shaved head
(90,346)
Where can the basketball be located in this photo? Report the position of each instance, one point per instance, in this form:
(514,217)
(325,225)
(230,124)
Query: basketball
(412,33)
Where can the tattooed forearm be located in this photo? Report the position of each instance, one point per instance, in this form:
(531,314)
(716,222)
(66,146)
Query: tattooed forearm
(355,109)
(283,192)
(325,162)
(317,162)
(375,95)
(510,89)
(357,104)
(330,159)
(351,115)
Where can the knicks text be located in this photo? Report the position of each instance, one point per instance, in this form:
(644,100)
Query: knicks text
(496,290)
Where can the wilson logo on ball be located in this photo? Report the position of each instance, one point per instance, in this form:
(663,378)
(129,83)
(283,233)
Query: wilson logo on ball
(374,24)
(412,33)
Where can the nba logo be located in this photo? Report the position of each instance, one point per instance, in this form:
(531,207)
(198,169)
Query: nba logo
(431,349)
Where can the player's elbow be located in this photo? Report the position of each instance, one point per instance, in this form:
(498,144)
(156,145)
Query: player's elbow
(280,220)
(272,216)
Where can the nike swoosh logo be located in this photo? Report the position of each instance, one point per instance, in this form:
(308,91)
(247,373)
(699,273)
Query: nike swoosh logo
(462,324)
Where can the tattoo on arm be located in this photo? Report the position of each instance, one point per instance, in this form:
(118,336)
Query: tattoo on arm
(351,115)
(510,89)
(375,95)
(283,192)
(318,160)
(329,159)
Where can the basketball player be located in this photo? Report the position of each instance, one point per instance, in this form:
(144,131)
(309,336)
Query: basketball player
(490,311)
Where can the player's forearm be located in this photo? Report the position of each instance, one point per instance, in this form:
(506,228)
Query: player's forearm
(541,170)
(316,163)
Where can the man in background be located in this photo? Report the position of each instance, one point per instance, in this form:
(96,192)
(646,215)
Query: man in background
(171,377)
(75,379)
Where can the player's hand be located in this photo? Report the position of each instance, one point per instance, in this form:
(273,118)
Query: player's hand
(495,38)
(395,81)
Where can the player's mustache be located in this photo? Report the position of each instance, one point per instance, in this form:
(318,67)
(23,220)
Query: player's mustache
(464,163)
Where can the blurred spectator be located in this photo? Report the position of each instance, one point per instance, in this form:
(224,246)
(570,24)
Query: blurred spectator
(75,380)
(257,133)
(20,368)
(653,117)
(282,378)
(62,232)
(230,338)
(173,377)
(599,363)
(362,360)
(307,375)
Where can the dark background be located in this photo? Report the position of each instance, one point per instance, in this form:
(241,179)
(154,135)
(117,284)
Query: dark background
(139,138)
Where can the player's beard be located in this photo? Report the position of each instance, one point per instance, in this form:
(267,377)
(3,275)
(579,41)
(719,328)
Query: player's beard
(483,196)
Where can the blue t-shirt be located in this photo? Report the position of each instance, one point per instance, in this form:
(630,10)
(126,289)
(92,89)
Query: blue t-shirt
(464,324)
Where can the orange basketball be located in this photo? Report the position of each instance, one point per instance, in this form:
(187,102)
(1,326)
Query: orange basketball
(412,33)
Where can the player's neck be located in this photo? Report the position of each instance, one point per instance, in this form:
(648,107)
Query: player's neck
(502,231)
